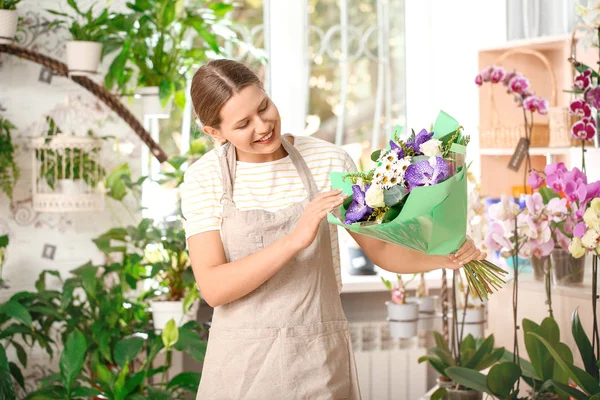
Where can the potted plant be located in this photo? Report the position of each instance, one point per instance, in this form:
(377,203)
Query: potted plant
(499,382)
(92,38)
(8,20)
(470,314)
(157,45)
(557,184)
(476,355)
(9,171)
(403,316)
(63,167)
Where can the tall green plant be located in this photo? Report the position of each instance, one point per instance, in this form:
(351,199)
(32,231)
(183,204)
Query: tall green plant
(9,4)
(155,47)
(84,26)
(9,170)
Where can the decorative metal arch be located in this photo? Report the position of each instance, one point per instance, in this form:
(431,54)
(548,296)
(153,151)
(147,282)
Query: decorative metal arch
(100,92)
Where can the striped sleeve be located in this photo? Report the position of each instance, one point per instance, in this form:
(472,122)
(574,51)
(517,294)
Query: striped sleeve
(201,193)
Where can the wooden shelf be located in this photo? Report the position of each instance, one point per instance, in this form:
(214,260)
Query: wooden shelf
(534,151)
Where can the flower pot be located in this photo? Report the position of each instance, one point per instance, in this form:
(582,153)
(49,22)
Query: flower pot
(68,187)
(359,263)
(8,26)
(443,382)
(454,394)
(403,319)
(83,58)
(164,311)
(151,103)
(540,267)
(426,312)
(566,269)
(474,321)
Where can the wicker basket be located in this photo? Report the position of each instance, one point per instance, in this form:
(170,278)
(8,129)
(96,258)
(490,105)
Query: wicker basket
(507,136)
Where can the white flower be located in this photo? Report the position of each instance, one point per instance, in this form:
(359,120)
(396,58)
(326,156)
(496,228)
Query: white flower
(432,148)
(402,164)
(590,239)
(576,249)
(590,14)
(374,196)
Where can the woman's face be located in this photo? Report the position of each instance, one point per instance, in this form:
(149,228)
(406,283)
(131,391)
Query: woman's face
(250,121)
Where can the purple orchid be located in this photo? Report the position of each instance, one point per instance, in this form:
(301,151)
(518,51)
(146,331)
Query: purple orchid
(580,230)
(593,97)
(580,109)
(536,104)
(497,75)
(508,77)
(535,180)
(585,129)
(358,208)
(583,80)
(396,149)
(421,138)
(554,176)
(427,173)
(518,84)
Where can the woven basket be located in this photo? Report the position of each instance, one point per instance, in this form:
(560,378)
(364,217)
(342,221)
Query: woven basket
(507,136)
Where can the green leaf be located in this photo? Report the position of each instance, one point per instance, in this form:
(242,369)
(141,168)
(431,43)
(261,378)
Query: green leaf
(4,366)
(576,394)
(168,13)
(165,91)
(584,345)
(117,67)
(375,155)
(185,380)
(85,392)
(16,311)
(180,99)
(485,348)
(177,161)
(159,394)
(170,334)
(440,342)
(15,371)
(581,378)
(435,363)
(439,394)
(135,381)
(502,377)
(48,393)
(40,284)
(3,240)
(115,185)
(539,357)
(468,378)
(394,195)
(583,67)
(121,390)
(21,354)
(127,349)
(72,358)
(548,194)
(565,353)
(88,280)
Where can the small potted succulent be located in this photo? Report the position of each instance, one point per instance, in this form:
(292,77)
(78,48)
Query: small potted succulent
(8,20)
(403,315)
(91,38)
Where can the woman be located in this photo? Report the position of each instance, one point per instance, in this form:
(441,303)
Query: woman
(262,253)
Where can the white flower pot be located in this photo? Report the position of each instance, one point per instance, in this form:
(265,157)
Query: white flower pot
(426,312)
(474,321)
(83,58)
(403,319)
(164,311)
(8,26)
(69,187)
(151,103)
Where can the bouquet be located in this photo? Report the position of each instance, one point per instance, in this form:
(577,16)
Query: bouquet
(416,197)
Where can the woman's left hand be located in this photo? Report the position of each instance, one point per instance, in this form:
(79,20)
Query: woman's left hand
(468,252)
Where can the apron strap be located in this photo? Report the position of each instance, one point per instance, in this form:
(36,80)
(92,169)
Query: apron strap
(229,161)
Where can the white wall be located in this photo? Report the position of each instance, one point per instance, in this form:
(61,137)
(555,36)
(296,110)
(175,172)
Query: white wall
(442,41)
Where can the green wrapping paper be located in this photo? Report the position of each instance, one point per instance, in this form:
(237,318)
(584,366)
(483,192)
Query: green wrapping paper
(432,221)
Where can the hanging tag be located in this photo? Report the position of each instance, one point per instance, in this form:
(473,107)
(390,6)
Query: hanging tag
(519,155)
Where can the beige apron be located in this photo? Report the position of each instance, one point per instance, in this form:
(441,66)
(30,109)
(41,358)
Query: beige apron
(288,339)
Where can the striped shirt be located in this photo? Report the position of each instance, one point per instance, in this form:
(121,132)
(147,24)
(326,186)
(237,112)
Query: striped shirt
(269,186)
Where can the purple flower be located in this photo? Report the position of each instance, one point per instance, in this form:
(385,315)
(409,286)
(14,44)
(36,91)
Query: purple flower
(536,104)
(508,77)
(479,80)
(535,180)
(580,109)
(486,74)
(396,149)
(518,84)
(580,230)
(427,173)
(583,81)
(554,176)
(358,208)
(497,75)
(421,138)
(584,129)
(593,191)
(593,97)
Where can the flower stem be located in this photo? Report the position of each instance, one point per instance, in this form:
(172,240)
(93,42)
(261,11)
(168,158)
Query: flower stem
(548,285)
(583,156)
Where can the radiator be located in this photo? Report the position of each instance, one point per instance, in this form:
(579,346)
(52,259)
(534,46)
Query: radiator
(387,368)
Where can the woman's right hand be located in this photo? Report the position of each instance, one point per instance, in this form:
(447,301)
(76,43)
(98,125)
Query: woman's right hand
(308,226)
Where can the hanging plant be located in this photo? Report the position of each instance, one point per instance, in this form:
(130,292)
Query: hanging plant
(156,48)
(9,171)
